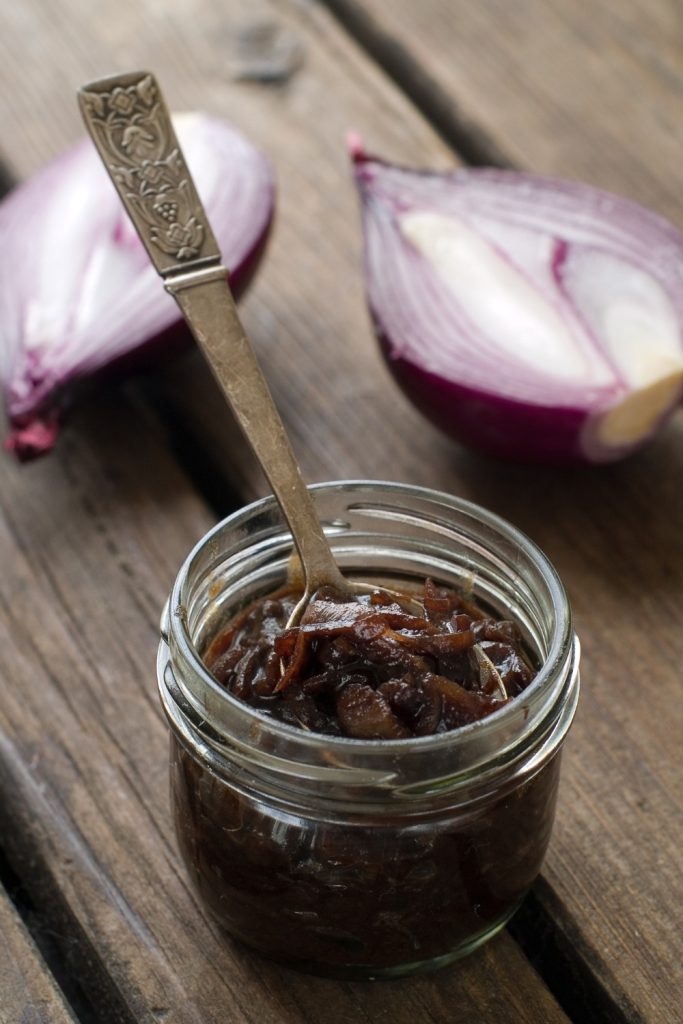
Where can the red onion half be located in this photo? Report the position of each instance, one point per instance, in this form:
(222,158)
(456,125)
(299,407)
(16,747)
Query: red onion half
(528,317)
(77,291)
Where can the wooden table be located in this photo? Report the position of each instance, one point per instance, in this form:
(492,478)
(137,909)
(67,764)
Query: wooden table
(97,919)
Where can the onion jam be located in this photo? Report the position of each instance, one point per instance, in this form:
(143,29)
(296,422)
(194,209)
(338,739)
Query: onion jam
(357,877)
(380,666)
(370,794)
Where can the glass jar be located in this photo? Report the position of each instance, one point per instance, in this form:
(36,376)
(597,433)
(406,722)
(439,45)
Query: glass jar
(366,858)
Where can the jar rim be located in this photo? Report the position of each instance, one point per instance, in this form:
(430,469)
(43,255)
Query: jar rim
(560,649)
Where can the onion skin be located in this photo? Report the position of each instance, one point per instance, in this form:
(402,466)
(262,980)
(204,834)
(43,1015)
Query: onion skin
(35,433)
(237,187)
(492,425)
(486,411)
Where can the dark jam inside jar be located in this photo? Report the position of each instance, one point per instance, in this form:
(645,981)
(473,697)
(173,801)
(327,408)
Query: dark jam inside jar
(359,897)
(383,666)
(358,890)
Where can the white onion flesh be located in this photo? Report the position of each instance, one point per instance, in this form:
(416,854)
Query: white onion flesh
(530,317)
(77,289)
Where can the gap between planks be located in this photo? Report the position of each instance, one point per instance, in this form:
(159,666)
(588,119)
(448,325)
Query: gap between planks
(473,145)
(466,133)
(46,915)
(38,940)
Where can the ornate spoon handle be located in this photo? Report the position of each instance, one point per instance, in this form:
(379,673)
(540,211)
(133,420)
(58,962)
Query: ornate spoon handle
(131,127)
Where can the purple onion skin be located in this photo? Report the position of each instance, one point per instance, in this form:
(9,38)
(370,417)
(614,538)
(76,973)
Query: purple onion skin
(565,432)
(177,338)
(493,425)
(34,430)
(34,434)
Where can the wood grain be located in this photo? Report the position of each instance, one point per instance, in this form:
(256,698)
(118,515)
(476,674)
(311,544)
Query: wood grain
(612,533)
(83,764)
(590,89)
(28,991)
(90,540)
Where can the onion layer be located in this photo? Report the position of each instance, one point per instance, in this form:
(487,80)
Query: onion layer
(77,291)
(528,317)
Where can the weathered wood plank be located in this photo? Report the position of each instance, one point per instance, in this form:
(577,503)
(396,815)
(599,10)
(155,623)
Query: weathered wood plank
(614,864)
(89,541)
(28,991)
(307,318)
(296,318)
(589,89)
(84,781)
(592,91)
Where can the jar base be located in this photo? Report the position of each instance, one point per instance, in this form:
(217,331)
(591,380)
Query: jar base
(366,972)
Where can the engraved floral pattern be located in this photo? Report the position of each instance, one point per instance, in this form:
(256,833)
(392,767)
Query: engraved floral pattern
(140,156)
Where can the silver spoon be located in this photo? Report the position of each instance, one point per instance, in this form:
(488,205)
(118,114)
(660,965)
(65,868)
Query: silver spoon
(129,122)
